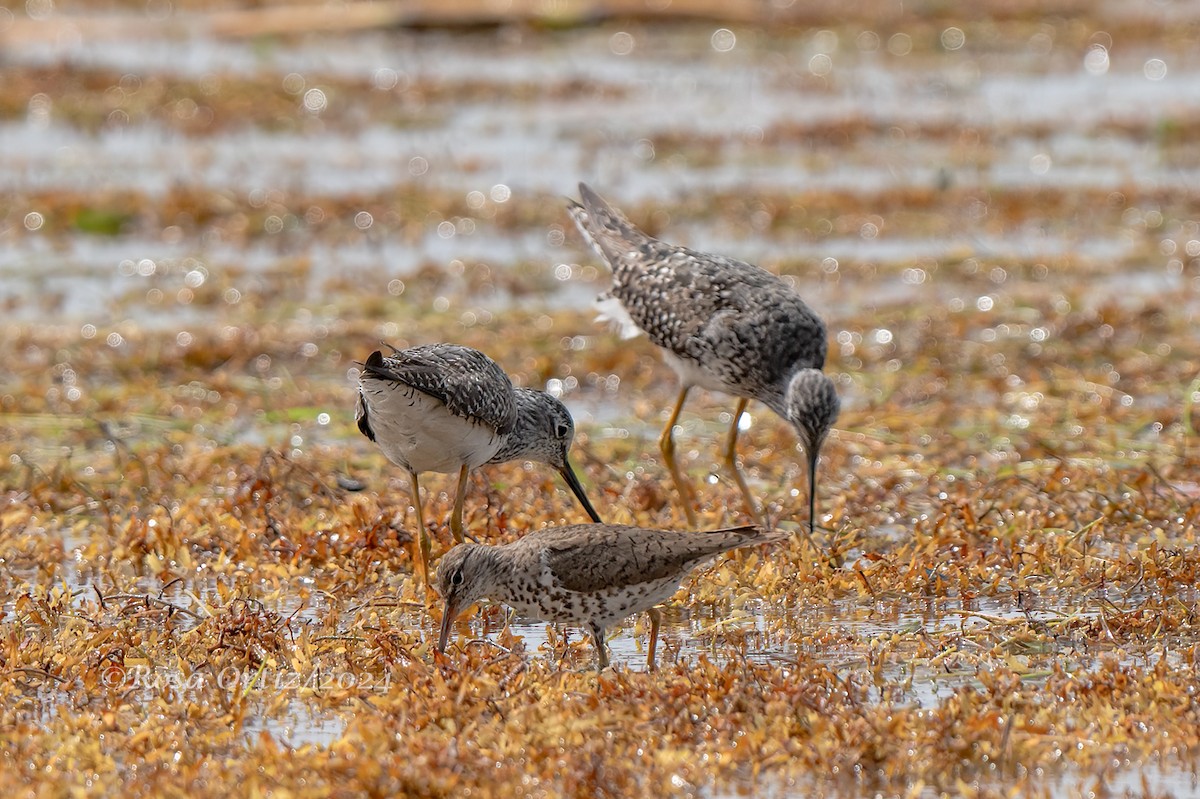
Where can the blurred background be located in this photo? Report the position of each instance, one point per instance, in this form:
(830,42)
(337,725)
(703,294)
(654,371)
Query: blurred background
(170,162)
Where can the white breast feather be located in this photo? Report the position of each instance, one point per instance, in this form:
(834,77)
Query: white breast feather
(418,432)
(613,312)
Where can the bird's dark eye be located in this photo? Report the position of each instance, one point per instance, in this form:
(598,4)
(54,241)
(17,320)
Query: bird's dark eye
(456,577)
(562,431)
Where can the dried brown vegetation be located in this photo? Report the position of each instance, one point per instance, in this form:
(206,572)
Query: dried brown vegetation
(178,590)
(205,583)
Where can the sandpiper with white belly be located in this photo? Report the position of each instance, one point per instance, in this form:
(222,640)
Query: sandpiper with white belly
(448,408)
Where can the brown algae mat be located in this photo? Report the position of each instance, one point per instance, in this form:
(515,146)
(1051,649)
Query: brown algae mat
(196,598)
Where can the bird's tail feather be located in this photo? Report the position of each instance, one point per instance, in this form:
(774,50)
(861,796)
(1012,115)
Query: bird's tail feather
(753,534)
(605,228)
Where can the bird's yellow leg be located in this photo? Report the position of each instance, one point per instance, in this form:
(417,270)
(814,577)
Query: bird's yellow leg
(421,545)
(655,620)
(456,517)
(666,443)
(731,460)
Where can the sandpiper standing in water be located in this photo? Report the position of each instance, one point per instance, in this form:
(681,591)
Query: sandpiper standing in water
(724,325)
(446,408)
(588,574)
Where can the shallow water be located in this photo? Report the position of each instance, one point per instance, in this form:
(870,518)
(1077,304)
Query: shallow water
(664,126)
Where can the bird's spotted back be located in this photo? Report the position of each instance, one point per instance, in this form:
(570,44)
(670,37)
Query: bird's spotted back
(592,558)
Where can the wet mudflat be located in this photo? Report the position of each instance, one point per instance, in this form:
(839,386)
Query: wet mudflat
(996,214)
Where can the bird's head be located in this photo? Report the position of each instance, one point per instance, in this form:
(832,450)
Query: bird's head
(812,407)
(465,575)
(545,432)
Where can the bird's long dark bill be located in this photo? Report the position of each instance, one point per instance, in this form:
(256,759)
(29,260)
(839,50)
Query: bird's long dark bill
(448,616)
(813,454)
(568,474)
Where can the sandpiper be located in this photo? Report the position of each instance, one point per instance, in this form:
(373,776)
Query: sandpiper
(447,408)
(722,324)
(588,574)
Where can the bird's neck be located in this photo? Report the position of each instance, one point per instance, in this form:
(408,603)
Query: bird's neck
(519,443)
(775,398)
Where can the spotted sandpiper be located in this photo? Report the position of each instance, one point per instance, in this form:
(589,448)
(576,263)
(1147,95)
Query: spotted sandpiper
(588,574)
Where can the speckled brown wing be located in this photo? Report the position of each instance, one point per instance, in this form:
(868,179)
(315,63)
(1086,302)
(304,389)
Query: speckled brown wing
(469,383)
(586,559)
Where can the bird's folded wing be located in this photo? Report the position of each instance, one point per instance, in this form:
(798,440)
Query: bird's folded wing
(469,383)
(587,562)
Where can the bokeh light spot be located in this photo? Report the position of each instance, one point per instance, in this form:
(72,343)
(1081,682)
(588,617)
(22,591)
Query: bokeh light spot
(723,40)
